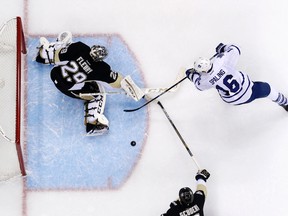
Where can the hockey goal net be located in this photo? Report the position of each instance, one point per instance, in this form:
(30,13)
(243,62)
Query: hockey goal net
(12,45)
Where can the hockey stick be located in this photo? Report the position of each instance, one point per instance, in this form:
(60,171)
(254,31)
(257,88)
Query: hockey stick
(176,84)
(179,135)
(168,89)
(145,90)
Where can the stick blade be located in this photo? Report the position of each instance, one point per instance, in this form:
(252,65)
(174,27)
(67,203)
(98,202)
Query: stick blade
(132,110)
(129,110)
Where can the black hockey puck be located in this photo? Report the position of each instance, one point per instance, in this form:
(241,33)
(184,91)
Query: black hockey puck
(133,143)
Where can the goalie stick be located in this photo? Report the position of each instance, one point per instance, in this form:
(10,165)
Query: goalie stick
(132,110)
(179,135)
(146,91)
(168,89)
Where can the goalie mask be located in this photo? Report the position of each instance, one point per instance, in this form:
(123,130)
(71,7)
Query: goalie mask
(98,53)
(202,65)
(186,196)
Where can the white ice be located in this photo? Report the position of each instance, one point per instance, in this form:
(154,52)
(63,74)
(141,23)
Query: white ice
(244,148)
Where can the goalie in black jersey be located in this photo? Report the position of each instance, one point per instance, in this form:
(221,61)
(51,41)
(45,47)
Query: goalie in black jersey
(77,69)
(190,203)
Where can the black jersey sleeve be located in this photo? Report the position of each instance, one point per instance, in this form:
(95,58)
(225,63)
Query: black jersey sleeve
(72,51)
(175,209)
(103,72)
(199,198)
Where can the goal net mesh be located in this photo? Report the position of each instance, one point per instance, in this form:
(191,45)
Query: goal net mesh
(11,45)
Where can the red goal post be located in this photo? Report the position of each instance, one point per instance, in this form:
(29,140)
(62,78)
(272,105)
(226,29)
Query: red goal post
(12,46)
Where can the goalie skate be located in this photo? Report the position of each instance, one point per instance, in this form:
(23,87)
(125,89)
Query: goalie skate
(96,130)
(96,127)
(285,107)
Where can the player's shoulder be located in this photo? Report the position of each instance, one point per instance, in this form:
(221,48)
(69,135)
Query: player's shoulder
(73,51)
(174,203)
(199,193)
(102,64)
(79,44)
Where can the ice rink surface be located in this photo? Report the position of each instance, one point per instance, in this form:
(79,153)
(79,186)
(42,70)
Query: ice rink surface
(244,148)
(69,159)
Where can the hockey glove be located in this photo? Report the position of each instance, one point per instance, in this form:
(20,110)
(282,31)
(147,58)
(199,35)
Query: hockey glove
(192,75)
(220,48)
(189,73)
(202,174)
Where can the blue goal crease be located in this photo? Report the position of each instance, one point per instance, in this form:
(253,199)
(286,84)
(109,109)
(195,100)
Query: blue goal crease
(59,155)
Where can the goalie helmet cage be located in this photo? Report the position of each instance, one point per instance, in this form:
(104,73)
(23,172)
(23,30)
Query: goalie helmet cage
(12,45)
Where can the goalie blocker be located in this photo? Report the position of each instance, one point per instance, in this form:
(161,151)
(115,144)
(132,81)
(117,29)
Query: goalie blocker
(131,88)
(127,84)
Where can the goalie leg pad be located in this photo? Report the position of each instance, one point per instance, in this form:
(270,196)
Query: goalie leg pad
(96,123)
(96,130)
(48,52)
(94,107)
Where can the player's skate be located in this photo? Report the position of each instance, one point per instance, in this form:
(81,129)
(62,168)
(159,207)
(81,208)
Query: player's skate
(98,128)
(282,101)
(285,107)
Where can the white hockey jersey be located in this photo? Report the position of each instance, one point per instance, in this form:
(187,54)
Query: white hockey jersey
(233,86)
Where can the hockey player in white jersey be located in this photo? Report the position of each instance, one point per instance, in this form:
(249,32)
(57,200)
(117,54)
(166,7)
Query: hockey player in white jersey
(233,86)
